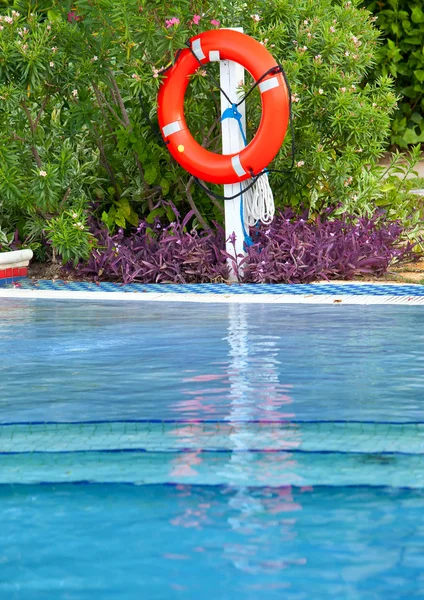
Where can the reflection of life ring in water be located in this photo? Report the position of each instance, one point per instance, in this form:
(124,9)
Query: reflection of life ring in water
(210,46)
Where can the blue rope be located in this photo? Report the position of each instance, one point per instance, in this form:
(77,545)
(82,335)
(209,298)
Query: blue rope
(233,113)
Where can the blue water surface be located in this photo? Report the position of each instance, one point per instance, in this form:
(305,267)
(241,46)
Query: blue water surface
(74,361)
(208,450)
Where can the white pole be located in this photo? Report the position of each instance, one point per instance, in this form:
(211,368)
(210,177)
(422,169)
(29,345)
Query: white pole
(231,77)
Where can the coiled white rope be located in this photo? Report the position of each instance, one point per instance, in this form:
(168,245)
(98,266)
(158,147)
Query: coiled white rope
(258,202)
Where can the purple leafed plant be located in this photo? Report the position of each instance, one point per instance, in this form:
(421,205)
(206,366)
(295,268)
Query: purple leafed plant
(295,250)
(156,254)
(290,250)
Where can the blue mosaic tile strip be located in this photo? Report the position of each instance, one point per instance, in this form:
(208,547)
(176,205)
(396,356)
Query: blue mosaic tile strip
(222,288)
(8,282)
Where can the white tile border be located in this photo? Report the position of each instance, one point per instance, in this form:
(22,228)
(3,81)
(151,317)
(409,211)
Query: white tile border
(94,296)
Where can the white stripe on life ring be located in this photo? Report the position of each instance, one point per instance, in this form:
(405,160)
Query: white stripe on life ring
(171,128)
(269,84)
(214,56)
(196,46)
(237,166)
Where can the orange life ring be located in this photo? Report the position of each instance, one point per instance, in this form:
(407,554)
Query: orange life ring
(215,45)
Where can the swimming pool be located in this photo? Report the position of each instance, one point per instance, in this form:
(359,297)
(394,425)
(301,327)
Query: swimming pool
(207,450)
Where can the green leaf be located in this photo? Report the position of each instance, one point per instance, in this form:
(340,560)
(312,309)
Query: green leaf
(416,117)
(120,220)
(170,215)
(417,15)
(156,212)
(409,91)
(150,174)
(419,74)
(410,137)
(124,207)
(388,187)
(54,15)
(133,218)
(164,184)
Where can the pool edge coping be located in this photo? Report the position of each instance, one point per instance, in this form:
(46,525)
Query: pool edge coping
(219,298)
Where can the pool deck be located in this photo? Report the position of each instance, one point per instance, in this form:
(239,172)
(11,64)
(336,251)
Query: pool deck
(313,293)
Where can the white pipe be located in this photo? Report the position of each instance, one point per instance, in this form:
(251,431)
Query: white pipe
(231,75)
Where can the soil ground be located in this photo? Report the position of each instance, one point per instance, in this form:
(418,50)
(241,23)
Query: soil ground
(53,271)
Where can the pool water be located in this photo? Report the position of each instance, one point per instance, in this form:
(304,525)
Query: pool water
(195,451)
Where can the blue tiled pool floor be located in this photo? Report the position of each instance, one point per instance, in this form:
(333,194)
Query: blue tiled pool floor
(84,542)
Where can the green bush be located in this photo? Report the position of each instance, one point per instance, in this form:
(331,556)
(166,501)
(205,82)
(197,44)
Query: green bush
(73,136)
(401,55)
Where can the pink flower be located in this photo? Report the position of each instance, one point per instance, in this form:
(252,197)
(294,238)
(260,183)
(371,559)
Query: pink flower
(72,16)
(215,23)
(196,19)
(170,22)
(256,18)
